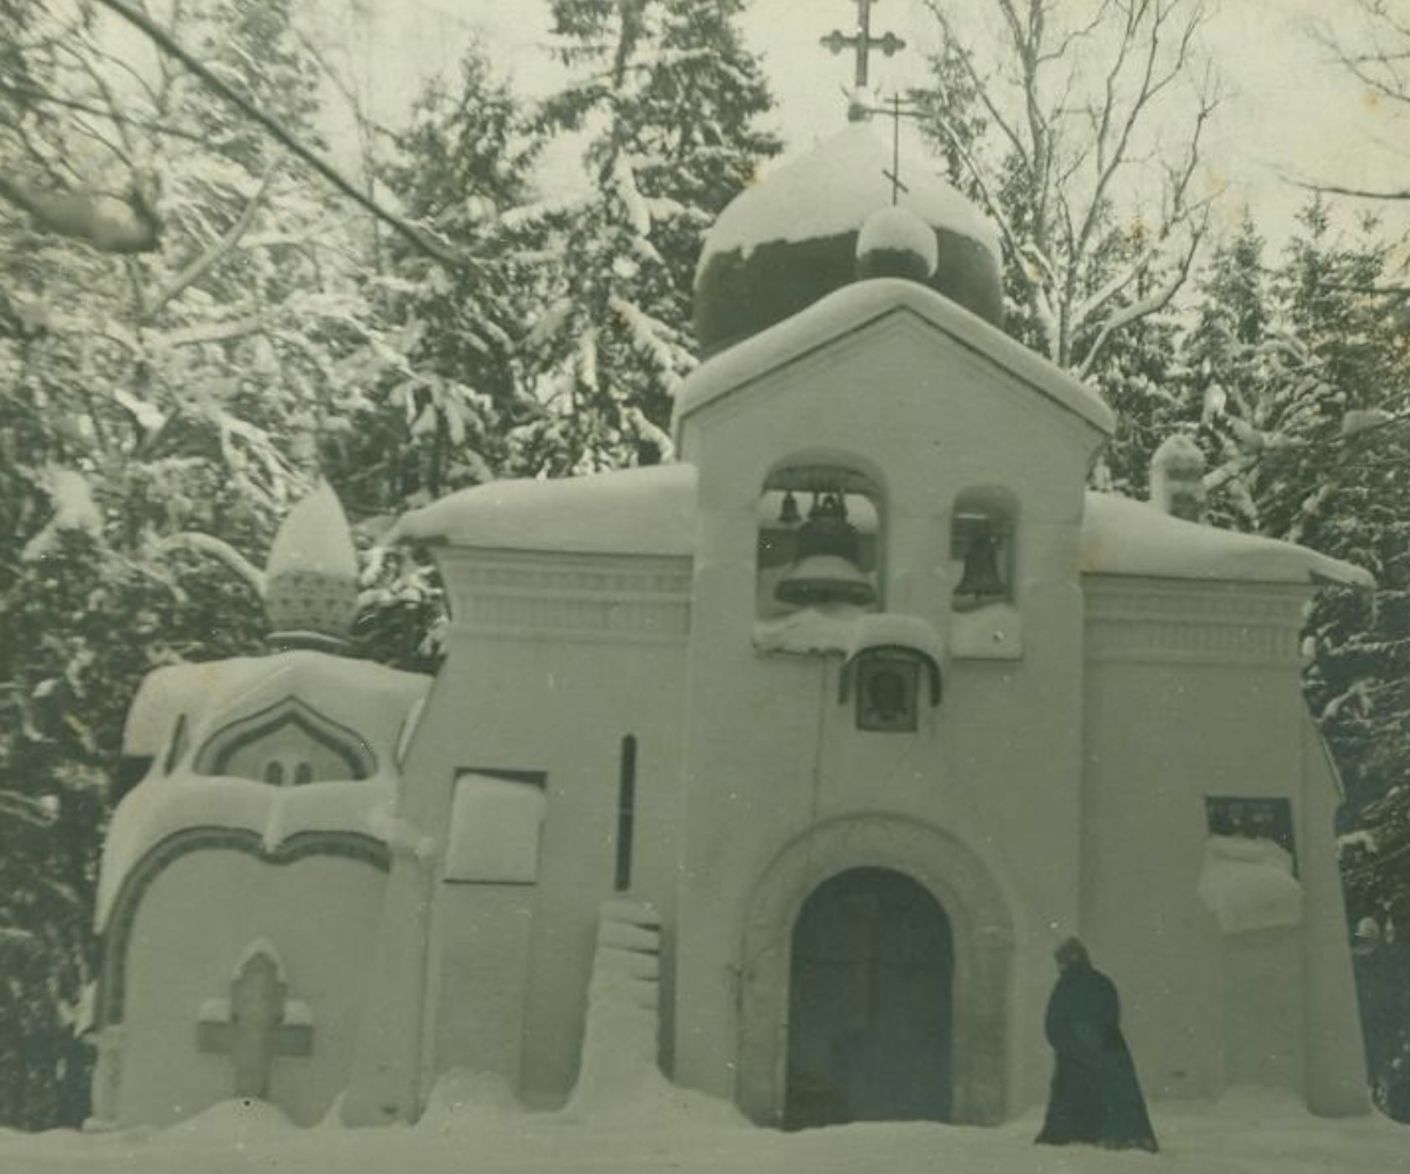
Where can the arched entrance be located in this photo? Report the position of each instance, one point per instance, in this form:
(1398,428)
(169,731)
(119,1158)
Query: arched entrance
(869,1019)
(960,887)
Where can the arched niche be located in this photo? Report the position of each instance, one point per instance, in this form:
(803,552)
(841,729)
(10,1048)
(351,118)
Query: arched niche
(982,936)
(821,527)
(983,534)
(286,744)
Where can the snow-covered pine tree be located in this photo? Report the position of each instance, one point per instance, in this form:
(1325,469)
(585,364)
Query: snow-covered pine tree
(157,408)
(667,100)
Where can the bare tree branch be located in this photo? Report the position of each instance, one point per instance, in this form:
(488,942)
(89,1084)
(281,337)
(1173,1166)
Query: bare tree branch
(169,46)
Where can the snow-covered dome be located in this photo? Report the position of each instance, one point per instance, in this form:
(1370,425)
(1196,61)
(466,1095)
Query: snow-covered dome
(310,591)
(791,239)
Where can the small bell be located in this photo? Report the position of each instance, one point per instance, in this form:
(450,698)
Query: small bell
(826,570)
(981,582)
(788,514)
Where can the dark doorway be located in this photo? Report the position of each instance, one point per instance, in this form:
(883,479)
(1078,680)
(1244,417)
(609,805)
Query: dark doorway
(869,1011)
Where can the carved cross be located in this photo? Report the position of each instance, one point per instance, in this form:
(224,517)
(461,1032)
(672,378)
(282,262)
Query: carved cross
(862,41)
(253,1026)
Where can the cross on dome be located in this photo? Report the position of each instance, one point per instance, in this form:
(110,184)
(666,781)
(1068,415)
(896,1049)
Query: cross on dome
(863,42)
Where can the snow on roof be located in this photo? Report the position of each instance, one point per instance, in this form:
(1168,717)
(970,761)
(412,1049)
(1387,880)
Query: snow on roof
(372,701)
(630,511)
(365,696)
(833,189)
(163,805)
(857,305)
(315,536)
(1125,537)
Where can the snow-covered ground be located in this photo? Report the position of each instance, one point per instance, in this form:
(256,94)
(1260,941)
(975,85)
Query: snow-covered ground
(1249,1132)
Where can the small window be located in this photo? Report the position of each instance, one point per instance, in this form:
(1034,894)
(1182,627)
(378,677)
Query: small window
(274,773)
(982,530)
(1252,819)
(818,534)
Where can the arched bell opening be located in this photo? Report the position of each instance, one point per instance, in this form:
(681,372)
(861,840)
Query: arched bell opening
(819,538)
(870,1008)
(983,532)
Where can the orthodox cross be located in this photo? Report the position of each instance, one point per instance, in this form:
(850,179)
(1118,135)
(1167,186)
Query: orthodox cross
(894,175)
(253,1026)
(862,41)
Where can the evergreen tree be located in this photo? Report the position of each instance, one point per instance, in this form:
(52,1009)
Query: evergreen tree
(154,409)
(667,98)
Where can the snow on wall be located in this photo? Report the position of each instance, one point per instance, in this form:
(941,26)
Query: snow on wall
(832,190)
(1249,885)
(1125,537)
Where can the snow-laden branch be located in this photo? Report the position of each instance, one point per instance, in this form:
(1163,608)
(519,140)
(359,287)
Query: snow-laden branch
(222,89)
(1153,303)
(204,262)
(219,549)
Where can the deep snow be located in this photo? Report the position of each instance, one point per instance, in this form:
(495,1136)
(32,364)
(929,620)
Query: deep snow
(475,1129)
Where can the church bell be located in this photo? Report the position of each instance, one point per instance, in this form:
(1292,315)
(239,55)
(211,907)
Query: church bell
(826,570)
(980,582)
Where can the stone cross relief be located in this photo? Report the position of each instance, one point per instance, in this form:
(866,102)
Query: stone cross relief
(255,1025)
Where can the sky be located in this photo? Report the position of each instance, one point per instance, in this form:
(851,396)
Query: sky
(1288,111)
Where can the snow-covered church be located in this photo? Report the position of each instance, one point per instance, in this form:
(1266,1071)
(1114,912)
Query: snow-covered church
(776,772)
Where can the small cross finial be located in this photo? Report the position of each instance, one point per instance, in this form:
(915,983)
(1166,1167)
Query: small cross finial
(894,175)
(862,41)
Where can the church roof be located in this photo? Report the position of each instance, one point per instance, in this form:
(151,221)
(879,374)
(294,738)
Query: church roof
(181,709)
(652,511)
(833,188)
(861,303)
(1125,537)
(792,238)
(629,511)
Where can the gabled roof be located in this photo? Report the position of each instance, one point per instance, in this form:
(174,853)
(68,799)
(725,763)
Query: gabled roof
(856,306)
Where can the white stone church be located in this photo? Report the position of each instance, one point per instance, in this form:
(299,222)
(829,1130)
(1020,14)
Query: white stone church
(781,768)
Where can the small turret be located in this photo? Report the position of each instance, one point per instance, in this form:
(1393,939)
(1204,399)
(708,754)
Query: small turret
(310,592)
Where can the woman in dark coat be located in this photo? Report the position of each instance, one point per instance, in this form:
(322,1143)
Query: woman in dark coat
(1096,1097)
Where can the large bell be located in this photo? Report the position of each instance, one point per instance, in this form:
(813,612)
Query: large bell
(980,582)
(826,570)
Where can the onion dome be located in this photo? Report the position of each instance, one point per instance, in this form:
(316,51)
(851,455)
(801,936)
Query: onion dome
(793,238)
(310,584)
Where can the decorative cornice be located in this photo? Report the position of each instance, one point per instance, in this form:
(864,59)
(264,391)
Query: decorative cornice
(1130,619)
(507,595)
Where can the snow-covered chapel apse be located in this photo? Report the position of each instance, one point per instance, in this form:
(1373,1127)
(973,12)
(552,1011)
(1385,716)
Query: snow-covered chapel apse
(775,772)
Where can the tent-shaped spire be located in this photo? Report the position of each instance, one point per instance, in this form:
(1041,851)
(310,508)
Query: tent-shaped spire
(310,592)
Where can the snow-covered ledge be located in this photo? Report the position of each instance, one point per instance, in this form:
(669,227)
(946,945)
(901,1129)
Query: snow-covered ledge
(1248,884)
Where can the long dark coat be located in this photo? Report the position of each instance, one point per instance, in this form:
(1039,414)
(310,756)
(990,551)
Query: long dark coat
(1095,1097)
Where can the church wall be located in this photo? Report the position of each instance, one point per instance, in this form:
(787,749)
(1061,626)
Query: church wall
(552,662)
(1192,690)
(1336,1059)
(194,923)
(770,750)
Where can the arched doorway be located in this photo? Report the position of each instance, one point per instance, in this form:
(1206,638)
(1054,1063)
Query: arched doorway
(870,1003)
